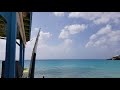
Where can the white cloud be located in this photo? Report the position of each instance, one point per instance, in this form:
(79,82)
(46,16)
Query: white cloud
(44,50)
(59,14)
(93,37)
(85,15)
(105,30)
(105,37)
(97,17)
(102,19)
(71,29)
(44,36)
(68,41)
(64,34)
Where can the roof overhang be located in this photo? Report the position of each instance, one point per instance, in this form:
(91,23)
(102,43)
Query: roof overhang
(24,21)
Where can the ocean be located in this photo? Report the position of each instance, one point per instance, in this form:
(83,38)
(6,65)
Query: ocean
(75,68)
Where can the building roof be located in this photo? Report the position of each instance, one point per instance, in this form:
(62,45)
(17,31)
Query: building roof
(27,19)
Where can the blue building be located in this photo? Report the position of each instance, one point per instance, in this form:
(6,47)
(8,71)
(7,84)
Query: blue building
(14,25)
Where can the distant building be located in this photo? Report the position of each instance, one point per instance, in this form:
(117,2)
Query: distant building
(117,57)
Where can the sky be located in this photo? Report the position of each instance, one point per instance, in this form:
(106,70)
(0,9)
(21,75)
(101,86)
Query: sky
(73,35)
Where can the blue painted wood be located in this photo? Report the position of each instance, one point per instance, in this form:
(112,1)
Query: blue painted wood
(23,56)
(6,15)
(10,44)
(21,53)
(11,19)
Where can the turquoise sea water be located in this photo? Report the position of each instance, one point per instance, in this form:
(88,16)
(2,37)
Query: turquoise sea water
(76,68)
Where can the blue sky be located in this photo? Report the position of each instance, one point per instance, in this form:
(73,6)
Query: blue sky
(79,35)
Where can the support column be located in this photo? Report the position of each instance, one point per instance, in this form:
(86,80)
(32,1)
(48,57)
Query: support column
(21,52)
(10,46)
(23,55)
